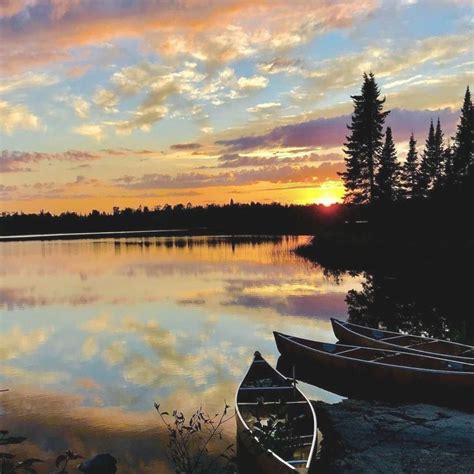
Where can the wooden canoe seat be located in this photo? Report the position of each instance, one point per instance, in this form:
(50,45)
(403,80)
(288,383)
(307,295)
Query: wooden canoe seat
(394,337)
(453,365)
(421,343)
(387,356)
(348,350)
(376,334)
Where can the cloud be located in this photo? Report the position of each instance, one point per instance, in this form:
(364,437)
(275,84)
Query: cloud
(234,160)
(126,151)
(9,8)
(81,107)
(105,99)
(273,174)
(214,32)
(175,91)
(15,161)
(95,131)
(252,83)
(280,65)
(186,146)
(404,122)
(331,132)
(14,342)
(14,117)
(385,60)
(26,80)
(321,132)
(143,118)
(266,107)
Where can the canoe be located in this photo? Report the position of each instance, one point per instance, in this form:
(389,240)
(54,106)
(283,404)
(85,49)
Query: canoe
(401,370)
(356,335)
(264,398)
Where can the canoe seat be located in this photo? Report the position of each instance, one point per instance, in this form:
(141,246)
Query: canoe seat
(421,343)
(349,350)
(387,356)
(297,461)
(377,334)
(452,365)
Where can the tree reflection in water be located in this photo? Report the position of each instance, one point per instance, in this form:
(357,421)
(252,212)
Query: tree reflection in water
(435,301)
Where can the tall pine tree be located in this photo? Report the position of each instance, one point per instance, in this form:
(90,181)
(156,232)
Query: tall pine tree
(364,143)
(426,167)
(464,139)
(438,157)
(388,174)
(409,172)
(450,177)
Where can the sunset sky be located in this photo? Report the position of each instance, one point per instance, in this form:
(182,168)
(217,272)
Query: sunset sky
(129,102)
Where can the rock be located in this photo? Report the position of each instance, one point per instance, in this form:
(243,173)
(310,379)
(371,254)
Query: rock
(100,464)
(369,437)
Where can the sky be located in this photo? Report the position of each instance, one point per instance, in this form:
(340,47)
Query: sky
(149,102)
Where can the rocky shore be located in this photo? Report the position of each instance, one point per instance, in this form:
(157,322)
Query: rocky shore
(379,437)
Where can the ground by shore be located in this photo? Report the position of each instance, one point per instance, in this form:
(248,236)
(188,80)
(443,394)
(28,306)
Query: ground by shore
(375,437)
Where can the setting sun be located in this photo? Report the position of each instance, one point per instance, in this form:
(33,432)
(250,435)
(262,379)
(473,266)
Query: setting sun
(326,201)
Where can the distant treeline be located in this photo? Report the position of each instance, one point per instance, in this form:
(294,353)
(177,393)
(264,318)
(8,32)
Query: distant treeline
(233,218)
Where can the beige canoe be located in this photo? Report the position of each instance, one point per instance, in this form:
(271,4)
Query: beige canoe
(265,393)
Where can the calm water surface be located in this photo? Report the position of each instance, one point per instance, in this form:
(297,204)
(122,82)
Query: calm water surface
(92,332)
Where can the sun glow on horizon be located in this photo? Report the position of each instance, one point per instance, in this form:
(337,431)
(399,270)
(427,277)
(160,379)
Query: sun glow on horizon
(327,201)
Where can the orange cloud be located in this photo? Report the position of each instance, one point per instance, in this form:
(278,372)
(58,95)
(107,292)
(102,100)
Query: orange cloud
(212,31)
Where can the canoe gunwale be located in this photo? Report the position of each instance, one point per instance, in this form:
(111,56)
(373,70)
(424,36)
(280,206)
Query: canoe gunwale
(381,364)
(269,451)
(406,349)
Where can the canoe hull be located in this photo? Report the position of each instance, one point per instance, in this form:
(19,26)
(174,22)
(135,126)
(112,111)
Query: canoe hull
(422,385)
(264,391)
(353,338)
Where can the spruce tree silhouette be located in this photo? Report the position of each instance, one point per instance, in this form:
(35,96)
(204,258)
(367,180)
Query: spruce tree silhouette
(426,167)
(387,178)
(464,139)
(438,157)
(364,143)
(409,172)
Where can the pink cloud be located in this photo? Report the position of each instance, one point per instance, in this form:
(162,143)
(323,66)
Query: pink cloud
(272,174)
(17,161)
(331,132)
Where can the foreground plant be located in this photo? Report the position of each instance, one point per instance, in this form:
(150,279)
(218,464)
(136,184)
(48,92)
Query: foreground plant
(190,441)
(63,460)
(8,464)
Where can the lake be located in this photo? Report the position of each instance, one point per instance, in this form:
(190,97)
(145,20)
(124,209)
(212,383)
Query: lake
(94,331)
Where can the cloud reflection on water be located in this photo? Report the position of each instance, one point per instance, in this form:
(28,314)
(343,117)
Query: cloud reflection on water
(115,325)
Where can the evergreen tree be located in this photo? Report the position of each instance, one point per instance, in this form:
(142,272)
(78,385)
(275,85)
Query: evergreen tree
(409,171)
(438,157)
(450,177)
(464,139)
(364,144)
(388,174)
(425,176)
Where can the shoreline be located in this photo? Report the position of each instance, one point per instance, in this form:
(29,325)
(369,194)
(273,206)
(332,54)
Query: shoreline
(136,233)
(88,235)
